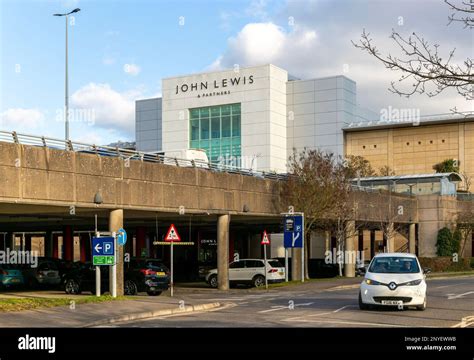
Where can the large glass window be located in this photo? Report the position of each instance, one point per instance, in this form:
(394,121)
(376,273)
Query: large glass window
(216,129)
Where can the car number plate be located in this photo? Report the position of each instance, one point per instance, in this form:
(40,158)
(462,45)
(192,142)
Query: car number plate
(392,302)
(15,280)
(160,273)
(281,273)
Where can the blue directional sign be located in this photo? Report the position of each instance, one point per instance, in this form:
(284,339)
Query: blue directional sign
(103,250)
(293,231)
(121,237)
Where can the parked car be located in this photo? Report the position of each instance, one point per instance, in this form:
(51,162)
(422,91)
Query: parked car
(149,275)
(82,278)
(250,271)
(394,279)
(361,267)
(45,273)
(10,276)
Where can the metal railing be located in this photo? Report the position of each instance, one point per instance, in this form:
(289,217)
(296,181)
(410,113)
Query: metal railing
(127,154)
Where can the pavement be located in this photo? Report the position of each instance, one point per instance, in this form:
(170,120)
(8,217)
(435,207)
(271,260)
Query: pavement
(101,314)
(321,303)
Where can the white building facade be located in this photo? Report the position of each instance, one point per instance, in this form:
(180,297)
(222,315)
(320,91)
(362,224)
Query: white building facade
(250,117)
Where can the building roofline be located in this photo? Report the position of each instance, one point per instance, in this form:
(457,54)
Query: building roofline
(430,120)
(222,70)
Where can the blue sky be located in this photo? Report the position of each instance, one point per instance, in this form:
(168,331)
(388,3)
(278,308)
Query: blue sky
(120,51)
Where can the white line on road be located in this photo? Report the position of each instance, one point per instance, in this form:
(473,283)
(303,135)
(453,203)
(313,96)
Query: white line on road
(458,296)
(465,322)
(282,307)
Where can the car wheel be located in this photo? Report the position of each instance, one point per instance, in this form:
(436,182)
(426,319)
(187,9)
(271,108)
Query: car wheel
(213,281)
(422,307)
(154,293)
(130,288)
(362,306)
(72,287)
(258,281)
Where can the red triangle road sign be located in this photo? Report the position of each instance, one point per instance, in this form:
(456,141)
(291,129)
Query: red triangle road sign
(172,234)
(265,238)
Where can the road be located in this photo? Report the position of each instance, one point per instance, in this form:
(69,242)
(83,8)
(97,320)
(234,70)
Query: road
(450,304)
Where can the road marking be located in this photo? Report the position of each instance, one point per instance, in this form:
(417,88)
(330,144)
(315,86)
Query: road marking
(458,296)
(336,311)
(465,322)
(282,307)
(359,323)
(444,286)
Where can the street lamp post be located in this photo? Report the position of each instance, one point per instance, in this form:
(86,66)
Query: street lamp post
(66,85)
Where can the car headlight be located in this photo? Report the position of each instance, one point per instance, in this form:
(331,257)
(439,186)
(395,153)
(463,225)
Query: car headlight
(413,283)
(371,282)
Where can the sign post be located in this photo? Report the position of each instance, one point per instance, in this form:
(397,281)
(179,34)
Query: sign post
(103,254)
(172,236)
(293,228)
(265,242)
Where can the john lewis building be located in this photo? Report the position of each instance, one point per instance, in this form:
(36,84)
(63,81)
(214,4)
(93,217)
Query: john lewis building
(251,117)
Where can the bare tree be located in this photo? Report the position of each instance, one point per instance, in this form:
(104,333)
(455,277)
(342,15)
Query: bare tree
(386,171)
(422,64)
(317,186)
(465,225)
(467,181)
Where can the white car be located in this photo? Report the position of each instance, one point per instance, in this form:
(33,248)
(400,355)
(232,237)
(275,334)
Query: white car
(250,271)
(394,279)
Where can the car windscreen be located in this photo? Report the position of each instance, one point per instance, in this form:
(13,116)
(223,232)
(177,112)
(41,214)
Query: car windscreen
(394,265)
(275,264)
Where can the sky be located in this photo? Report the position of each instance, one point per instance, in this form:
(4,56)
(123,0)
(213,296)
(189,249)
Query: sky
(119,50)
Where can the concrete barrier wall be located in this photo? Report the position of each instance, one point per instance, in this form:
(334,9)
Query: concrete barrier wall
(57,177)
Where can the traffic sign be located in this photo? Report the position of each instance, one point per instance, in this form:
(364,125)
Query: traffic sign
(103,250)
(172,234)
(265,238)
(293,231)
(121,237)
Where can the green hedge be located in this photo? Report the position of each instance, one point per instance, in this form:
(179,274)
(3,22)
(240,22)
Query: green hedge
(445,263)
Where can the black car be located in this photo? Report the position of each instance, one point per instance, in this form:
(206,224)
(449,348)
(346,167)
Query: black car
(140,275)
(149,275)
(82,278)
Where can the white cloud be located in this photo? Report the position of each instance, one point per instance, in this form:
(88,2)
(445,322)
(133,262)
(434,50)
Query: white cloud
(21,120)
(112,109)
(131,69)
(261,43)
(317,47)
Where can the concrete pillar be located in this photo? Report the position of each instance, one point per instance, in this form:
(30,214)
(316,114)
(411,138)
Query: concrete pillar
(48,244)
(115,223)
(68,243)
(349,263)
(327,240)
(140,240)
(223,222)
(391,238)
(55,245)
(296,264)
(412,238)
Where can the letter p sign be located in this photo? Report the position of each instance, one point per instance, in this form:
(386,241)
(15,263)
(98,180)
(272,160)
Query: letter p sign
(108,248)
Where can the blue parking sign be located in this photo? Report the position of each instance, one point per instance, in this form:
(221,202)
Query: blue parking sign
(293,231)
(103,250)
